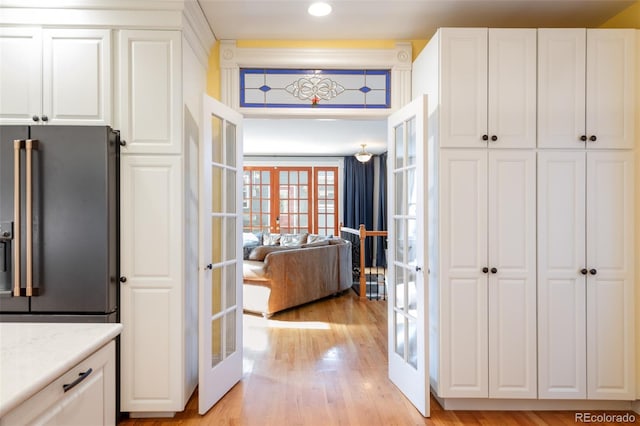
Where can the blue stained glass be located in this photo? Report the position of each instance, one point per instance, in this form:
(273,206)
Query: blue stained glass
(365,89)
(265,88)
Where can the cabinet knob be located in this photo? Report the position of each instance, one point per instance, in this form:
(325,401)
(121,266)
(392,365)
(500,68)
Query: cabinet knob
(45,118)
(583,271)
(593,138)
(485,270)
(593,271)
(35,118)
(485,137)
(494,138)
(123,142)
(494,270)
(583,138)
(123,279)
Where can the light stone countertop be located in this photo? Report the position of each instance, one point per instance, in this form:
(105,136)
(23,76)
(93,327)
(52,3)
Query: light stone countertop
(32,355)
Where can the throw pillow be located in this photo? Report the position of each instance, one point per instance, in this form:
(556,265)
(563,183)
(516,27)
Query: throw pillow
(311,238)
(271,239)
(318,243)
(293,240)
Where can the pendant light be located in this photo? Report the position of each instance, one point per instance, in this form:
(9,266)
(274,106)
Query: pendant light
(363,156)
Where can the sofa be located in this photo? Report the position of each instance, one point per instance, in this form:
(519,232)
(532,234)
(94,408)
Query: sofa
(278,277)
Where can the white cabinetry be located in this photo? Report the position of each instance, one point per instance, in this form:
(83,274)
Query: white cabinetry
(487,93)
(585,274)
(57,76)
(586,88)
(487,264)
(482,211)
(90,401)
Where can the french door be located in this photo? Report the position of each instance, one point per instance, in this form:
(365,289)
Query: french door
(220,277)
(290,199)
(408,295)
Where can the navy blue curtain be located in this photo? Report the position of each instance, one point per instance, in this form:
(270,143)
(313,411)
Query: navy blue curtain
(381,258)
(358,198)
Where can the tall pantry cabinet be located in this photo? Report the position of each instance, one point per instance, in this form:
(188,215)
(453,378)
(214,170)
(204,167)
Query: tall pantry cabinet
(586,213)
(140,68)
(531,212)
(481,94)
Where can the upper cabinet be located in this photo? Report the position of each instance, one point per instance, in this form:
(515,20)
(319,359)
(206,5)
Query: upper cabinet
(586,88)
(55,76)
(150,101)
(487,87)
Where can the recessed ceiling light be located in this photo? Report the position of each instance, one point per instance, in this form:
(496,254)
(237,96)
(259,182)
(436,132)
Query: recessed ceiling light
(319,9)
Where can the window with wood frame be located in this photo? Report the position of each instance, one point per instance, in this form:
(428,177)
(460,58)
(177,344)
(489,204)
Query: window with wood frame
(290,200)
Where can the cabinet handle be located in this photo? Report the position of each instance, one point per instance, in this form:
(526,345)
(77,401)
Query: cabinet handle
(45,118)
(494,138)
(593,271)
(123,280)
(485,270)
(494,270)
(583,138)
(593,138)
(81,377)
(35,118)
(583,271)
(485,137)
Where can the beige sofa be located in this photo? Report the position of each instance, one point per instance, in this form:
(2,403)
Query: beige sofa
(278,277)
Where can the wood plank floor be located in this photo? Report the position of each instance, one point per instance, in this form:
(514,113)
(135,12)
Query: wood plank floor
(325,364)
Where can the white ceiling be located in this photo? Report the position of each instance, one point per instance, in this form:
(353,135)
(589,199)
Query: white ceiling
(373,20)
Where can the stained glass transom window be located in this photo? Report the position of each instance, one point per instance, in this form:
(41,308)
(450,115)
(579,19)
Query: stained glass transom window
(296,88)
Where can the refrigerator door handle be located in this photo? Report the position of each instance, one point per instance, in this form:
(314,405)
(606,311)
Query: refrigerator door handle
(17,231)
(31,145)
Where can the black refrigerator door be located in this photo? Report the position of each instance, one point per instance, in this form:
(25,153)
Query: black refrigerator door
(75,215)
(8,266)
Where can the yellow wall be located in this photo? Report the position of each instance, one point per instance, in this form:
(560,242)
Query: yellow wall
(213,73)
(628,18)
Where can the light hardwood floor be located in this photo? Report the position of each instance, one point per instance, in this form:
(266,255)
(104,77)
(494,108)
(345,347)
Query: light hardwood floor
(325,364)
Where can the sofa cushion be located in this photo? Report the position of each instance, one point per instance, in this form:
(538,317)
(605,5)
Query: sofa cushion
(318,243)
(293,240)
(253,270)
(260,252)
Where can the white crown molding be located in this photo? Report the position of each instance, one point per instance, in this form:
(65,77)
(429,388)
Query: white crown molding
(397,59)
(197,31)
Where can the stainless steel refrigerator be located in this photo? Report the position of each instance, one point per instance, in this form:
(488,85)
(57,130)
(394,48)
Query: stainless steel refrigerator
(59,209)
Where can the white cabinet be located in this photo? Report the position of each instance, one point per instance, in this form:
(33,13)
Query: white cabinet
(150,91)
(487,264)
(90,401)
(151,294)
(586,82)
(585,275)
(57,76)
(488,87)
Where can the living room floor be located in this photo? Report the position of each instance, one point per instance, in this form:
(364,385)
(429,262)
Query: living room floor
(325,363)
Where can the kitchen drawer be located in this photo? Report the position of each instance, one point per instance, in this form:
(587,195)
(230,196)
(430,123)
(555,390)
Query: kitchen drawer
(90,402)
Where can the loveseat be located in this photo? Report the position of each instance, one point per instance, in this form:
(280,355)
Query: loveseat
(277,277)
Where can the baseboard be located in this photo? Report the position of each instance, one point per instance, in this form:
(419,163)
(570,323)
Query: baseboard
(152,415)
(534,404)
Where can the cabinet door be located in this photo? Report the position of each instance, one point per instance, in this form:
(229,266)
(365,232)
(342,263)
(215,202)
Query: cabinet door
(512,274)
(610,292)
(561,285)
(151,296)
(463,80)
(150,102)
(77,76)
(561,87)
(610,88)
(463,236)
(512,88)
(21,76)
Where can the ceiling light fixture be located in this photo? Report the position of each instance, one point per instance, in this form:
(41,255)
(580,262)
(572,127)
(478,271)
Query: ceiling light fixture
(363,156)
(319,8)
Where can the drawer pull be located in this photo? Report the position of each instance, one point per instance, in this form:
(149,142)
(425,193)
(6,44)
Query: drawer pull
(80,378)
